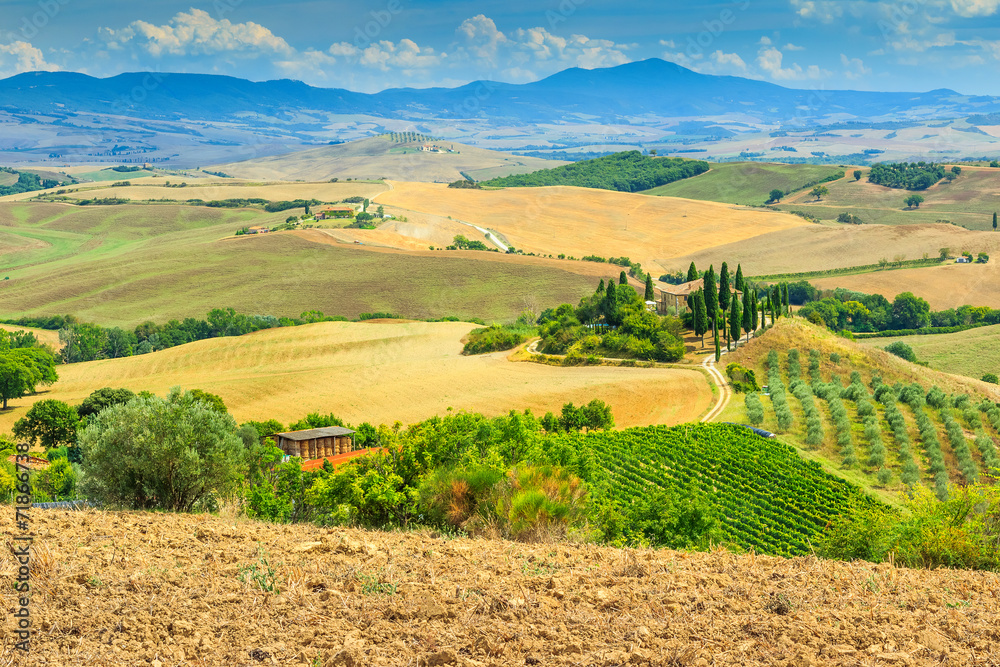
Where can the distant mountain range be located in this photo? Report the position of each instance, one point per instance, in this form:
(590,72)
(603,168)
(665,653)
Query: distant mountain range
(636,93)
(197,119)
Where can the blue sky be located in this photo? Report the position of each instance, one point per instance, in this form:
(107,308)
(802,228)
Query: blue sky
(369,45)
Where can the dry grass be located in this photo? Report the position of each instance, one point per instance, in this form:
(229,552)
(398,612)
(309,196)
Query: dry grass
(153,189)
(380,373)
(580,221)
(43,335)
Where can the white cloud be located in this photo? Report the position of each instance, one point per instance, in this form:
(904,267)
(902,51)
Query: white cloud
(823,10)
(770,61)
(197,33)
(854,68)
(793,47)
(970,8)
(18,57)
(385,55)
(480,37)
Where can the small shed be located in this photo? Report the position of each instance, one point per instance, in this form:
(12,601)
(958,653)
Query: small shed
(316,443)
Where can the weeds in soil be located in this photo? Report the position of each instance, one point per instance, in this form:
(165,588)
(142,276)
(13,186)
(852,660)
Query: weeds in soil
(372,584)
(260,573)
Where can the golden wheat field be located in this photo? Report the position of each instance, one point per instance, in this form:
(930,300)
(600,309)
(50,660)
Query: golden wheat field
(581,221)
(380,372)
(156,189)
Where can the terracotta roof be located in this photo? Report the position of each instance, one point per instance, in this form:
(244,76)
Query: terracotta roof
(313,433)
(684,289)
(33,462)
(339,459)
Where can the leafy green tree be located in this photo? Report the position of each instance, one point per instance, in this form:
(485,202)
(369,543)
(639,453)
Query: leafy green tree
(211,400)
(118,343)
(735,320)
(914,201)
(857,174)
(173,453)
(724,293)
(956,170)
(711,292)
(910,312)
(102,398)
(650,295)
(23,369)
(774,196)
(902,350)
(692,273)
(50,423)
(56,482)
(820,191)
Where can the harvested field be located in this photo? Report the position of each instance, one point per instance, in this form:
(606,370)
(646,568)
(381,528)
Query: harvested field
(129,588)
(581,221)
(947,286)
(43,335)
(821,247)
(152,189)
(380,373)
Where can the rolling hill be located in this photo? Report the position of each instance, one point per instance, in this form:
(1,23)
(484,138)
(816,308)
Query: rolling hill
(745,182)
(379,372)
(971,353)
(383,157)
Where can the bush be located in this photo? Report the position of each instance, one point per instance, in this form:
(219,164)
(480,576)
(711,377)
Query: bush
(174,453)
(754,409)
(991,378)
(902,350)
(494,338)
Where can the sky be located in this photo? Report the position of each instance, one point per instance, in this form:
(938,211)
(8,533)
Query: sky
(371,45)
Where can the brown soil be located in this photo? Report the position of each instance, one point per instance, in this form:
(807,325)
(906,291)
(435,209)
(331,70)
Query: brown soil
(155,589)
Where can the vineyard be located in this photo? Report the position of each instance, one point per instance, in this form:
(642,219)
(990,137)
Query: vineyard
(897,435)
(772,500)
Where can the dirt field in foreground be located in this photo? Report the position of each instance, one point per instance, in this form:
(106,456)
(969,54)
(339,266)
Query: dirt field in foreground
(379,372)
(165,590)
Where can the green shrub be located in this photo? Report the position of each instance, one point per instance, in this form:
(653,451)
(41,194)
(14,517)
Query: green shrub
(902,350)
(991,378)
(495,338)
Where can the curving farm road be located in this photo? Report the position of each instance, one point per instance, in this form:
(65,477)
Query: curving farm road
(725,393)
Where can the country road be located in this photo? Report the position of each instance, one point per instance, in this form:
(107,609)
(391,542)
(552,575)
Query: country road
(725,393)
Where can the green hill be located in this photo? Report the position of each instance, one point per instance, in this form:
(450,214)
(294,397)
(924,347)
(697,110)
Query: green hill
(746,182)
(628,171)
(971,353)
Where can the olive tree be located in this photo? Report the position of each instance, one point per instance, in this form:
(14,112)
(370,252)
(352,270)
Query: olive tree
(169,453)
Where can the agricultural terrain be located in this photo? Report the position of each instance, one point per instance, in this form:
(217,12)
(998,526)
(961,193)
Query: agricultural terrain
(971,353)
(380,373)
(166,589)
(387,156)
(836,360)
(580,221)
(745,182)
(122,265)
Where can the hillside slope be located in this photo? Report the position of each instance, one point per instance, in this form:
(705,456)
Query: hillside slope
(137,589)
(381,157)
(379,373)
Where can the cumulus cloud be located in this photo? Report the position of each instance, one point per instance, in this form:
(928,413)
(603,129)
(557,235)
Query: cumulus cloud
(970,8)
(770,61)
(854,68)
(385,55)
(18,57)
(196,33)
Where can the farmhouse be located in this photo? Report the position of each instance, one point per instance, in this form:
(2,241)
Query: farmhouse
(675,295)
(258,230)
(316,443)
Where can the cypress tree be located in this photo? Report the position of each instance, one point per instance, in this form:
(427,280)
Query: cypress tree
(622,279)
(754,320)
(609,305)
(724,287)
(650,295)
(770,305)
(718,350)
(692,273)
(600,287)
(994,222)
(747,313)
(700,316)
(711,295)
(740,285)
(784,298)
(735,320)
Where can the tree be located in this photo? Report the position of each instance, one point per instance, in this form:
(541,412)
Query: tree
(600,288)
(173,453)
(700,315)
(23,369)
(118,343)
(622,278)
(718,350)
(774,196)
(724,293)
(748,324)
(597,415)
(739,284)
(914,201)
(944,253)
(650,294)
(711,292)
(820,191)
(735,320)
(857,174)
(102,398)
(956,170)
(994,220)
(609,305)
(910,312)
(784,299)
(692,273)
(50,423)
(754,319)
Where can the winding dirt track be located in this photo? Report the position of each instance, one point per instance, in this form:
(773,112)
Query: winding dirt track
(725,393)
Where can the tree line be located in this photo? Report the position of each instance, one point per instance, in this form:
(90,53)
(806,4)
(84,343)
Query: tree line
(908,175)
(628,171)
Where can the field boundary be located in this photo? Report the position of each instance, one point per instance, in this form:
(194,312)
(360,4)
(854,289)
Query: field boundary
(853,270)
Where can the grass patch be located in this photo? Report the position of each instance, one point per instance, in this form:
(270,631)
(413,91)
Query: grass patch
(745,182)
